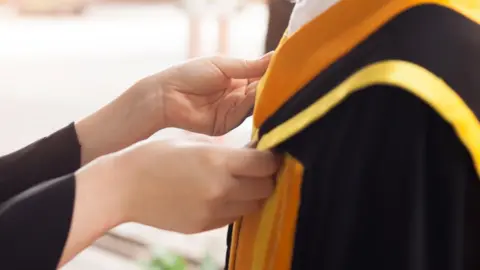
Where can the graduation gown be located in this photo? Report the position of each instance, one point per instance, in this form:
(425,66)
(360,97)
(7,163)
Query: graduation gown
(375,106)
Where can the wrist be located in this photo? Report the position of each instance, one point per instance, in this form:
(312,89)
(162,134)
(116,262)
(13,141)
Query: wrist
(97,208)
(132,117)
(99,189)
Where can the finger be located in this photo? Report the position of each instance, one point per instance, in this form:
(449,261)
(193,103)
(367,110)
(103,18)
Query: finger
(248,189)
(251,163)
(242,69)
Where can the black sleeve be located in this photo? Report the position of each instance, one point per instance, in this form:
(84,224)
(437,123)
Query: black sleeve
(48,158)
(34,225)
(37,190)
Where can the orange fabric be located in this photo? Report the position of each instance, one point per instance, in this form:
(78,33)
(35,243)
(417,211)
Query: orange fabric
(280,246)
(327,38)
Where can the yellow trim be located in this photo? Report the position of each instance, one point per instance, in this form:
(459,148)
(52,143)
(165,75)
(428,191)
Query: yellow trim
(408,76)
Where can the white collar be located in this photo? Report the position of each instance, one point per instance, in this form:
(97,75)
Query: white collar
(305,11)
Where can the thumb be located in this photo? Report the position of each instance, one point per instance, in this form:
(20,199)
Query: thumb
(235,68)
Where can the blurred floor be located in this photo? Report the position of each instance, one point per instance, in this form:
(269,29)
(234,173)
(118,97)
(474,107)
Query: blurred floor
(53,71)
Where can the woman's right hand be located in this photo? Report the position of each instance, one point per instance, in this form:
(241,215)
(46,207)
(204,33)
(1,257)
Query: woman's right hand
(190,187)
(181,186)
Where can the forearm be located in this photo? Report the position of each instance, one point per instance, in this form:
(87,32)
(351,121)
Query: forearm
(97,207)
(132,117)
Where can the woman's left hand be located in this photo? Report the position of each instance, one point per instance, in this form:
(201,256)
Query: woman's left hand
(209,95)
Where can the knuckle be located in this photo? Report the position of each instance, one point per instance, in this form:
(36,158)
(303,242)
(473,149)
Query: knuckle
(217,192)
(215,159)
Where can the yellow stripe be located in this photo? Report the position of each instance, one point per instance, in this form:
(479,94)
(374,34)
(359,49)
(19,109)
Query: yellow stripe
(408,76)
(262,239)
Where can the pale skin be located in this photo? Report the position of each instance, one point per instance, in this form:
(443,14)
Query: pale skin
(182,186)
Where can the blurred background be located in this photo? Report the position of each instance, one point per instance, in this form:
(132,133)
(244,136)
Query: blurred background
(63,59)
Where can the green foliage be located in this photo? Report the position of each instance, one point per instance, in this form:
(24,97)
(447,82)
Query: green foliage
(169,261)
(208,264)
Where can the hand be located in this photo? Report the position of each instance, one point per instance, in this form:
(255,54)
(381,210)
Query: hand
(190,187)
(209,95)
(186,187)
